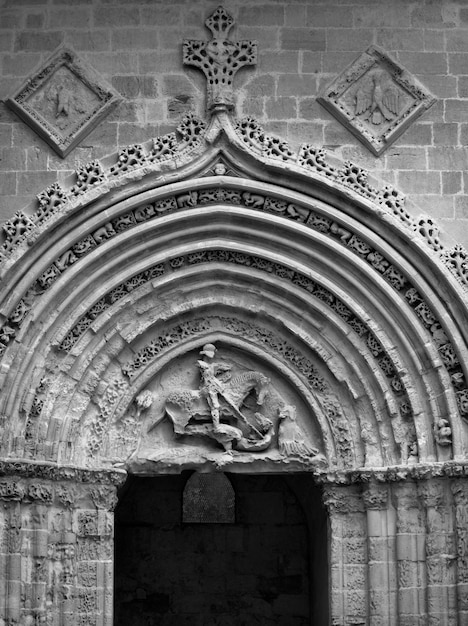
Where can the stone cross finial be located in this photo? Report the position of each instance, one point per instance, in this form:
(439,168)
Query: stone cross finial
(219,59)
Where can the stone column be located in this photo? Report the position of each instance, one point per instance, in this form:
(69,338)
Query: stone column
(440,553)
(381,540)
(411,556)
(94,524)
(10,494)
(348,555)
(460,493)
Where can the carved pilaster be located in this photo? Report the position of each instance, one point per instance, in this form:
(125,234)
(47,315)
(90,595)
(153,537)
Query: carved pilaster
(411,556)
(440,553)
(56,548)
(460,494)
(381,530)
(348,567)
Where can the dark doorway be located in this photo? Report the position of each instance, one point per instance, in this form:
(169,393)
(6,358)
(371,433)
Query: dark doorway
(267,566)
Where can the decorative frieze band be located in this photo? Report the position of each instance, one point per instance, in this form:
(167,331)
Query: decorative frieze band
(394,474)
(52,472)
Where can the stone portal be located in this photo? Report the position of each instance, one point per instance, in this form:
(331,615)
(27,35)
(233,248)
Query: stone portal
(268,566)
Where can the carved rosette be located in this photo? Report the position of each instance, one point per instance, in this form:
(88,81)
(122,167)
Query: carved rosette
(64,100)
(376,99)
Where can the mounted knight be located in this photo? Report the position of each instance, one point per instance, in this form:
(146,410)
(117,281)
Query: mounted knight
(216,409)
(214,375)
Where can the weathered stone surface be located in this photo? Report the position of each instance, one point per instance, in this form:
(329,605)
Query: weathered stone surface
(376,99)
(64,100)
(296,264)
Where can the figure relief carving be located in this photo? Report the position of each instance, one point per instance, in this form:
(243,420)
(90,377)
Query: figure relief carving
(220,397)
(443,432)
(292,441)
(224,409)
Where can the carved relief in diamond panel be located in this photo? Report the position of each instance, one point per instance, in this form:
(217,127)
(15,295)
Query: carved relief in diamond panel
(376,99)
(64,100)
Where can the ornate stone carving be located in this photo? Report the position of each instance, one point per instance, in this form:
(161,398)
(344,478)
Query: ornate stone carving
(360,247)
(260,142)
(15,231)
(218,410)
(51,201)
(129,158)
(443,432)
(460,494)
(88,176)
(50,471)
(375,496)
(376,99)
(456,259)
(292,441)
(143,401)
(64,100)
(107,404)
(188,138)
(254,262)
(429,230)
(342,500)
(219,59)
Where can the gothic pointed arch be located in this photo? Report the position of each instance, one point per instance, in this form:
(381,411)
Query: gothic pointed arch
(295,266)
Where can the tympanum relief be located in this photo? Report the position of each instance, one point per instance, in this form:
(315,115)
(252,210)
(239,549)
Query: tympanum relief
(217,405)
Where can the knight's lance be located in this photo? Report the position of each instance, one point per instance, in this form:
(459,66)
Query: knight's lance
(236,411)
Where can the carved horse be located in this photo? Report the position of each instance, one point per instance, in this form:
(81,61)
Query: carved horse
(182,406)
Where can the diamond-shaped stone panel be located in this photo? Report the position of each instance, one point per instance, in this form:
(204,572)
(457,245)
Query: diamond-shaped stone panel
(64,100)
(376,99)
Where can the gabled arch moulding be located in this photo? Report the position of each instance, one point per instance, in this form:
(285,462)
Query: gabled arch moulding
(295,264)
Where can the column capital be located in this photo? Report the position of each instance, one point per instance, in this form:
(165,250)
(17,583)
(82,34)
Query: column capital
(375,496)
(341,499)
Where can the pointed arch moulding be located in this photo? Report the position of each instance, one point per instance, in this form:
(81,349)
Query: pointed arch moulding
(219,232)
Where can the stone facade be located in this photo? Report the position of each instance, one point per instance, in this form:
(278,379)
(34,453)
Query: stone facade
(253,264)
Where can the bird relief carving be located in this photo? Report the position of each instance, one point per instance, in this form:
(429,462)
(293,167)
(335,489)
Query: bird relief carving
(376,99)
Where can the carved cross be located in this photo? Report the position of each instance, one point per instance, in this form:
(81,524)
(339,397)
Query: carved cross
(219,59)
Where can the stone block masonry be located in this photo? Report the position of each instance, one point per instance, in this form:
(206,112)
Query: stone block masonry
(302,47)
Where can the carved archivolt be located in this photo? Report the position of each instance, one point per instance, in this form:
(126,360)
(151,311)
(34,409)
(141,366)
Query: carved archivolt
(183,214)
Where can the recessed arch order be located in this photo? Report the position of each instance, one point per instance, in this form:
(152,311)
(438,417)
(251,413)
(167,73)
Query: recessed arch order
(230,238)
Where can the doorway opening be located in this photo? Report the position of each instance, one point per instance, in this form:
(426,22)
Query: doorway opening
(264,564)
